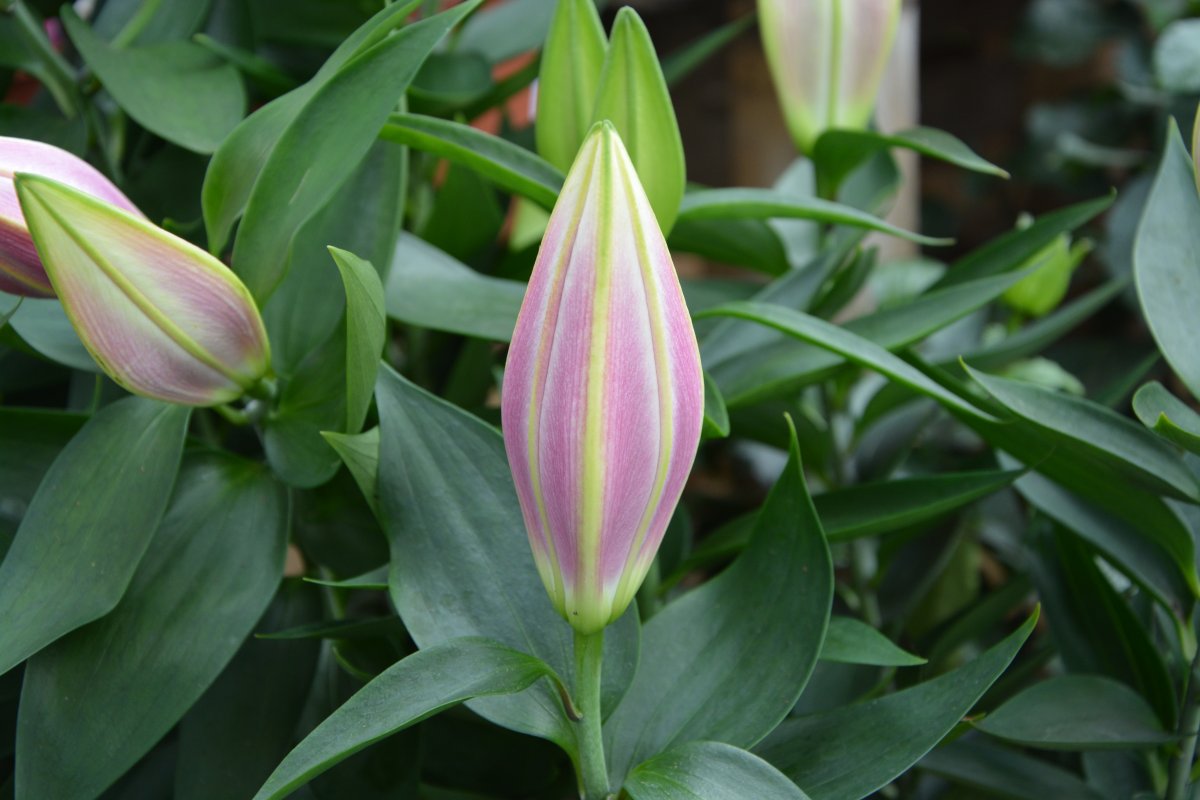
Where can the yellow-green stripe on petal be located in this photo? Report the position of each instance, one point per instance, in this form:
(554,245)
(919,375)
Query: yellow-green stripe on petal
(827,58)
(162,317)
(603,396)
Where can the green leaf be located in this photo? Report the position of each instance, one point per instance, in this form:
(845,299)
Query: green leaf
(1166,260)
(1168,416)
(376,579)
(773,370)
(706,204)
(681,63)
(500,32)
(29,442)
(177,90)
(360,454)
(841,341)
(1098,432)
(461,564)
(1016,247)
(363,218)
(325,142)
(863,510)
(1176,62)
(708,771)
(705,673)
(197,593)
(867,509)
(1077,712)
(243,726)
(419,686)
(851,641)
(309,403)
(430,288)
(237,164)
(749,243)
(1127,548)
(366,329)
(850,752)
(508,165)
(982,765)
(716,416)
(450,82)
(572,60)
(43,325)
(89,524)
(633,96)
(837,153)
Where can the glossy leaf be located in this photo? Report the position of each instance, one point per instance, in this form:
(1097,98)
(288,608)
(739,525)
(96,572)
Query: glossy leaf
(839,152)
(1126,547)
(1164,260)
(43,325)
(749,243)
(177,90)
(704,673)
(709,204)
(419,686)
(633,95)
(1016,247)
(89,524)
(198,591)
(850,752)
(323,144)
(360,454)
(982,765)
(1077,712)
(1097,431)
(366,329)
(1168,416)
(430,288)
(708,771)
(509,166)
(841,341)
(237,164)
(572,60)
(772,370)
(245,723)
(461,563)
(716,416)
(851,641)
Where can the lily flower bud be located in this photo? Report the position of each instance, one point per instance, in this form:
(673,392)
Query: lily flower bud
(162,317)
(603,396)
(21,271)
(827,58)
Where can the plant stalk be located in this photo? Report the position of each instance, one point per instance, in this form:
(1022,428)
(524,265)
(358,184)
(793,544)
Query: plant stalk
(1189,724)
(593,771)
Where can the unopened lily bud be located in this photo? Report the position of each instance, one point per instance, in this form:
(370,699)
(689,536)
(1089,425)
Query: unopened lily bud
(603,396)
(162,317)
(21,271)
(827,58)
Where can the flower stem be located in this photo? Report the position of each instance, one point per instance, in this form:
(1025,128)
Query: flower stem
(593,772)
(1189,722)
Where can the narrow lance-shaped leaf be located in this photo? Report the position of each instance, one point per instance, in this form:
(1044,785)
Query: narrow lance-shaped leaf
(633,96)
(88,525)
(366,329)
(709,770)
(572,61)
(1166,260)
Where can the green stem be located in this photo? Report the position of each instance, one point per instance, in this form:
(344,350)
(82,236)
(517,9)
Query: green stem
(593,772)
(1189,724)
(136,24)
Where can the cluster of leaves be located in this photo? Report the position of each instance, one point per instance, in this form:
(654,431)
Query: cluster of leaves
(151,647)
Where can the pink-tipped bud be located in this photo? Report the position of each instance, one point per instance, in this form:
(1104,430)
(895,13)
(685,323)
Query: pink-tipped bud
(161,316)
(21,270)
(827,58)
(603,395)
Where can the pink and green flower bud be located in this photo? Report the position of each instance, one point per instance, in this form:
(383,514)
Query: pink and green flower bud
(161,316)
(603,396)
(827,58)
(21,271)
